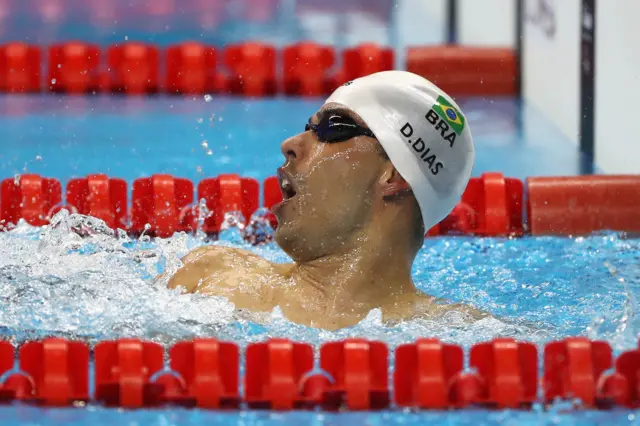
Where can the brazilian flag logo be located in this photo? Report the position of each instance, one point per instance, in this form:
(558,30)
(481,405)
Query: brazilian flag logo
(449,114)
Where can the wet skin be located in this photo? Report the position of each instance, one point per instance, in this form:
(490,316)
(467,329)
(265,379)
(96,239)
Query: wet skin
(348,221)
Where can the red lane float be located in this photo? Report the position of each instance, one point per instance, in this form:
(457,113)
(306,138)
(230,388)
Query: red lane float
(491,206)
(210,371)
(508,371)
(228,193)
(6,356)
(100,196)
(158,201)
(274,374)
(305,69)
(578,205)
(252,69)
(466,70)
(122,372)
(6,364)
(191,69)
(59,369)
(19,68)
(573,368)
(628,375)
(29,197)
(279,374)
(272,195)
(363,60)
(359,369)
(17,387)
(425,372)
(74,68)
(133,68)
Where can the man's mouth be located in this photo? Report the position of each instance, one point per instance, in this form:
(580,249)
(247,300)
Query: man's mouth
(286,185)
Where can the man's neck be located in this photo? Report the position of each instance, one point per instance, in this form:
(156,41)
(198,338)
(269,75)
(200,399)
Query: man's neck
(364,276)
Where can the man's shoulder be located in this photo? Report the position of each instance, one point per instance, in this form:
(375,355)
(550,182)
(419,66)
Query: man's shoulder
(208,265)
(208,253)
(245,278)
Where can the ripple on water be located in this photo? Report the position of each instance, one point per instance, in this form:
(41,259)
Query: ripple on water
(101,285)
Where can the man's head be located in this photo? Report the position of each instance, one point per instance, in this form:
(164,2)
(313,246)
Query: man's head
(387,155)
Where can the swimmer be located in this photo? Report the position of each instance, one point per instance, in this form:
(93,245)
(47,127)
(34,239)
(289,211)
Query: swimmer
(384,159)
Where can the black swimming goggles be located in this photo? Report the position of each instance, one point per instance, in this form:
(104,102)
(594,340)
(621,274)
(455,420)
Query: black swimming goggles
(337,128)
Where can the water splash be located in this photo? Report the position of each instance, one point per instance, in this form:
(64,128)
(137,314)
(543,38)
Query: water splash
(624,332)
(232,228)
(203,214)
(78,278)
(259,229)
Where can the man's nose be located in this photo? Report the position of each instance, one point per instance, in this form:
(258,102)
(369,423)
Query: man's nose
(292,148)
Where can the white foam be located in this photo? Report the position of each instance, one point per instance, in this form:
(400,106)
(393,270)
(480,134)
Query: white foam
(77,278)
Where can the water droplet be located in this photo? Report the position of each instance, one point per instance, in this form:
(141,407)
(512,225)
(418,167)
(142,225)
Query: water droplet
(53,81)
(59,65)
(126,37)
(208,98)
(200,120)
(219,118)
(38,157)
(209,152)
(205,144)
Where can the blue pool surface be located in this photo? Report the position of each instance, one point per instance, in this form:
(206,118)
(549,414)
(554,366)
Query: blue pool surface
(195,417)
(130,137)
(54,283)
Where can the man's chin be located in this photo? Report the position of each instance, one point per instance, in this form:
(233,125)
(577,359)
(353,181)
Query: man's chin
(287,237)
(282,234)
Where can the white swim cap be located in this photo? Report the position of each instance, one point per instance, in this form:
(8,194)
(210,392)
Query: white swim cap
(423,132)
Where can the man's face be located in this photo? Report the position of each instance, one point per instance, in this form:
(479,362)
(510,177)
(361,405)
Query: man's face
(328,187)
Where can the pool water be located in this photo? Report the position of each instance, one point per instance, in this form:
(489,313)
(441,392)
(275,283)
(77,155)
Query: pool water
(131,137)
(54,282)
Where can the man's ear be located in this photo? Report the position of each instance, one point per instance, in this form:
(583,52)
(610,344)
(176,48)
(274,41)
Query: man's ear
(393,184)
